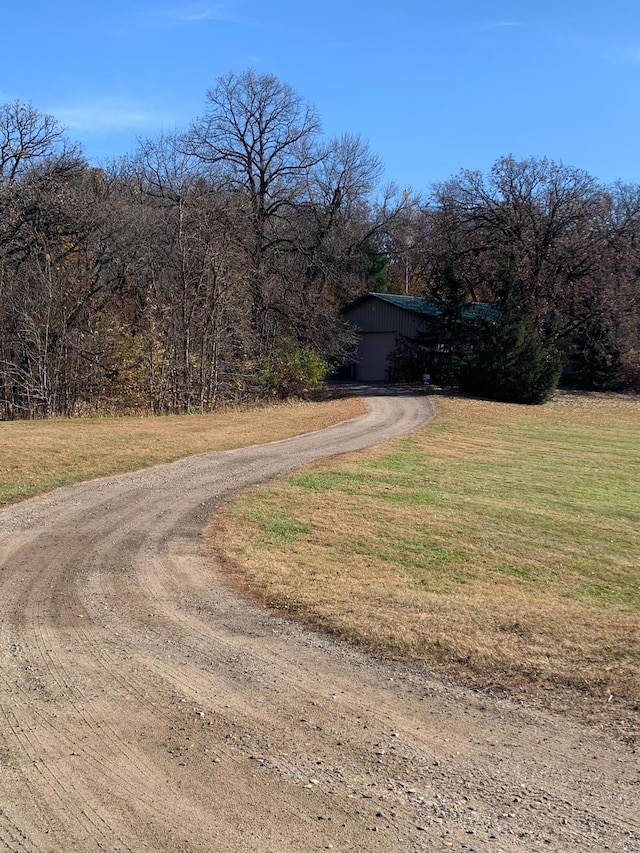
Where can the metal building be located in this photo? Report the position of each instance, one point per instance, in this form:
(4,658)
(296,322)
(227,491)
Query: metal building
(380,320)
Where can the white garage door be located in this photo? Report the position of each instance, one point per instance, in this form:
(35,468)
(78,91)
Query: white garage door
(373,349)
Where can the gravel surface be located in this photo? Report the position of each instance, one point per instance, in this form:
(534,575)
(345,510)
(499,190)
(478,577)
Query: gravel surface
(145,707)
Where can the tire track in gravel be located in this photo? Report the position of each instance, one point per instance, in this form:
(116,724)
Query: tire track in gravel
(67,735)
(143,706)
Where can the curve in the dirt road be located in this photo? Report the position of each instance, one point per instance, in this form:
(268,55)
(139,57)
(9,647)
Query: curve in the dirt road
(144,707)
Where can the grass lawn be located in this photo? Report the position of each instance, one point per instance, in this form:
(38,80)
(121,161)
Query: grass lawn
(36,456)
(500,545)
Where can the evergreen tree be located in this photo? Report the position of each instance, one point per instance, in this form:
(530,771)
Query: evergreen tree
(511,362)
(596,358)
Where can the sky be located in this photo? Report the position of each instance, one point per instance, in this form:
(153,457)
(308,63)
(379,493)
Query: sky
(434,86)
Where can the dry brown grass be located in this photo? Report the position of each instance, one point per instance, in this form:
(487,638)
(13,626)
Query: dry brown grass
(39,455)
(500,546)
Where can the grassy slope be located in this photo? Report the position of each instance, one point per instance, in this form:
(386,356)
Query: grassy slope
(501,545)
(38,455)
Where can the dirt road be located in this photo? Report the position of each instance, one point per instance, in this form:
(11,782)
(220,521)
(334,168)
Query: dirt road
(143,707)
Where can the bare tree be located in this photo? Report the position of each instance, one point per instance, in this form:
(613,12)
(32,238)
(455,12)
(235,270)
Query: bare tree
(565,242)
(539,219)
(27,137)
(263,140)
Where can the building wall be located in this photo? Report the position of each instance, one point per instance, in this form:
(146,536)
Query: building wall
(375,315)
(379,324)
(371,356)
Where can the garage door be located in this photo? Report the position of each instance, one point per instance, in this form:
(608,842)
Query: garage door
(373,349)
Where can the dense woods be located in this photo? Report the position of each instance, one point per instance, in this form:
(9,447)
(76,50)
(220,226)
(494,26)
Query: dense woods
(557,255)
(212,265)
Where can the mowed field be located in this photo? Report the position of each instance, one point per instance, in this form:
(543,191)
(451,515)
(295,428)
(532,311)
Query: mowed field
(500,546)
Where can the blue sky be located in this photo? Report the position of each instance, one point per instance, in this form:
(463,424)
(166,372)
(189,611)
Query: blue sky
(433,86)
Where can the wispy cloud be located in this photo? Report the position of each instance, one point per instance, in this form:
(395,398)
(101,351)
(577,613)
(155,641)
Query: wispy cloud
(193,13)
(103,115)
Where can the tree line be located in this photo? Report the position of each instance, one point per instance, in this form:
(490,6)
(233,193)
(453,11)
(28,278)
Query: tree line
(212,265)
(557,257)
(209,265)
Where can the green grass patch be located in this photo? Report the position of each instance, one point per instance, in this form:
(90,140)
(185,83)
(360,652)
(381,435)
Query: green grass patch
(278,530)
(501,543)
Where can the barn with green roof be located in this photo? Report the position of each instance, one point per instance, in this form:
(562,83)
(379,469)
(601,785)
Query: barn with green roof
(383,320)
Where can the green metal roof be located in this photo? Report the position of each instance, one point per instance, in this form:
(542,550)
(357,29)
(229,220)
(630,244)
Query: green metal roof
(431,308)
(410,303)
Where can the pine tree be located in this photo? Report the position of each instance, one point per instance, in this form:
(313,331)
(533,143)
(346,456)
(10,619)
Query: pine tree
(511,362)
